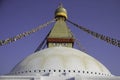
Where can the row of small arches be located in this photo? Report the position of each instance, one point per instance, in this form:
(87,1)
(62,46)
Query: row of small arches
(63,71)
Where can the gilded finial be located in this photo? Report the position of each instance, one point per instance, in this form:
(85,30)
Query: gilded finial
(61,11)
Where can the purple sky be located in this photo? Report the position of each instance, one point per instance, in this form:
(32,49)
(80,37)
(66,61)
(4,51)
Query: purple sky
(17,16)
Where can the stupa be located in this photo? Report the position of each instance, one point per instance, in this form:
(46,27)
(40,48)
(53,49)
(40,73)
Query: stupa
(60,60)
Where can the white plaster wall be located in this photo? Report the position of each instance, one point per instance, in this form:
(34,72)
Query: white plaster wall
(59,78)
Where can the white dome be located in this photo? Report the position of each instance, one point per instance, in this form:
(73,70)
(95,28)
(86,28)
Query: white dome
(59,60)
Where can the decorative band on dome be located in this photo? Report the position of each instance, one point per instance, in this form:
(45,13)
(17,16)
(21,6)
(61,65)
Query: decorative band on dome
(61,71)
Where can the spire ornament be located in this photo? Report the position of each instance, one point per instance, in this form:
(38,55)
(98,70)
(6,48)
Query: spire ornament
(61,12)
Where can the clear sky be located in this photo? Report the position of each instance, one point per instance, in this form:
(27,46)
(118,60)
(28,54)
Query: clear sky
(17,16)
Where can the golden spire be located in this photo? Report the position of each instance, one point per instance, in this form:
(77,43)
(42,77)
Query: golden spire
(60,35)
(61,12)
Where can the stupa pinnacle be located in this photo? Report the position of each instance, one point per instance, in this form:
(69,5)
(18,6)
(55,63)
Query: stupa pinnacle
(61,12)
(60,35)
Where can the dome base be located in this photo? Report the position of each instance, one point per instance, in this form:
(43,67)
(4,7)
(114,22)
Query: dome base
(60,60)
